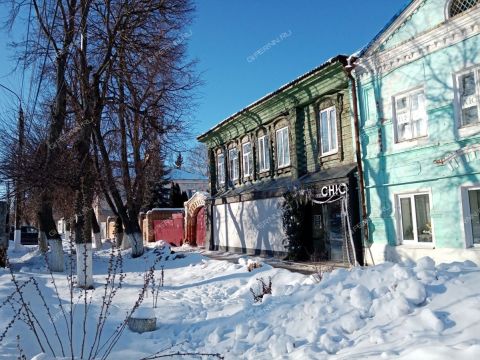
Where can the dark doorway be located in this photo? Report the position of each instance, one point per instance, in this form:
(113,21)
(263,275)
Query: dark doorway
(327,232)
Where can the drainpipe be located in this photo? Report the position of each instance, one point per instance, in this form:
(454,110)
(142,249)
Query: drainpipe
(348,69)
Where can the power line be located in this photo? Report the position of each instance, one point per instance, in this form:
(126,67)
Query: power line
(26,49)
(43,68)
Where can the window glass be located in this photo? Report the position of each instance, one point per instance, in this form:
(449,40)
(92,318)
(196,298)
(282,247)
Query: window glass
(407,220)
(333,129)
(247,159)
(283,151)
(221,169)
(416,218)
(328,130)
(263,153)
(468,99)
(410,116)
(474,203)
(233,162)
(459,6)
(422,210)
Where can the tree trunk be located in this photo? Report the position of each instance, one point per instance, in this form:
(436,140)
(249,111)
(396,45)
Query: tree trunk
(96,231)
(119,238)
(49,235)
(83,242)
(134,235)
(42,241)
(56,260)
(3,236)
(17,238)
(84,266)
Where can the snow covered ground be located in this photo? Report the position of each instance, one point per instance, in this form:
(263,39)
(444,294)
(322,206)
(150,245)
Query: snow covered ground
(390,311)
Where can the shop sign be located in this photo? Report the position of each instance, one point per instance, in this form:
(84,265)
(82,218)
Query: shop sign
(328,191)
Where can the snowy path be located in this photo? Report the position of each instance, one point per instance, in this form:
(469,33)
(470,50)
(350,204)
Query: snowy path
(419,311)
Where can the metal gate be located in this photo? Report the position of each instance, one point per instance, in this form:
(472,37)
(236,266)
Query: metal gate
(170,230)
(200,228)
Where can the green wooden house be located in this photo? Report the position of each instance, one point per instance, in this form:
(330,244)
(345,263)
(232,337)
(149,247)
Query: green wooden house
(297,137)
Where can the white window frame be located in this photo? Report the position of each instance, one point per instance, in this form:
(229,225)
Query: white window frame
(233,164)
(408,94)
(263,153)
(467,216)
(398,216)
(332,150)
(247,160)
(221,169)
(282,160)
(458,98)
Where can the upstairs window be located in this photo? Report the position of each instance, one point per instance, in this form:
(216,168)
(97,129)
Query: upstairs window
(221,169)
(460,6)
(263,153)
(233,162)
(283,148)
(328,131)
(469,97)
(247,159)
(410,115)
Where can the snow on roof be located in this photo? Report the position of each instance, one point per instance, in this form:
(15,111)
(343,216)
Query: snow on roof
(280,89)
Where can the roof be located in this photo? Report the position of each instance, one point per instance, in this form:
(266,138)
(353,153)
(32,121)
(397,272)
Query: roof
(385,28)
(338,58)
(179,174)
(321,176)
(278,186)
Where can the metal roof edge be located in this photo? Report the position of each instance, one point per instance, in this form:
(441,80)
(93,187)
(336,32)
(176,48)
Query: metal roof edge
(338,58)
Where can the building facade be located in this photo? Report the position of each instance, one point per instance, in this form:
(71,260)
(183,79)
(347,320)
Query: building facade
(298,137)
(419,98)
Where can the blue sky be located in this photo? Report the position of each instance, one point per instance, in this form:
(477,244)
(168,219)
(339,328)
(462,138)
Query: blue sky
(225,35)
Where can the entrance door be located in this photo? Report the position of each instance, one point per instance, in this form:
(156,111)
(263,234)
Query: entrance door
(335,230)
(327,232)
(319,233)
(200,232)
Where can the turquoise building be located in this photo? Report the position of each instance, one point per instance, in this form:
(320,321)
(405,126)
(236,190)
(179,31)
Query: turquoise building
(418,87)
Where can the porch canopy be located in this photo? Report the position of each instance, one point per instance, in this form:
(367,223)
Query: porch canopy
(278,186)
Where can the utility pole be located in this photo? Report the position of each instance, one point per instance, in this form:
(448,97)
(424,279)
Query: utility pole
(18,191)
(17,186)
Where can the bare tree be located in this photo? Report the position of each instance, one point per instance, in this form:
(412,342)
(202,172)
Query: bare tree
(148,96)
(197,160)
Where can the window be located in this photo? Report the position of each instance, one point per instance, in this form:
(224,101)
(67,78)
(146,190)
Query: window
(410,116)
(468,95)
(233,162)
(328,131)
(221,169)
(460,6)
(473,219)
(283,148)
(247,159)
(263,153)
(415,220)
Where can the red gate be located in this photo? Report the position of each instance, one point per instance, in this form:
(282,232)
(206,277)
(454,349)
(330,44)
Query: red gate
(201,230)
(170,230)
